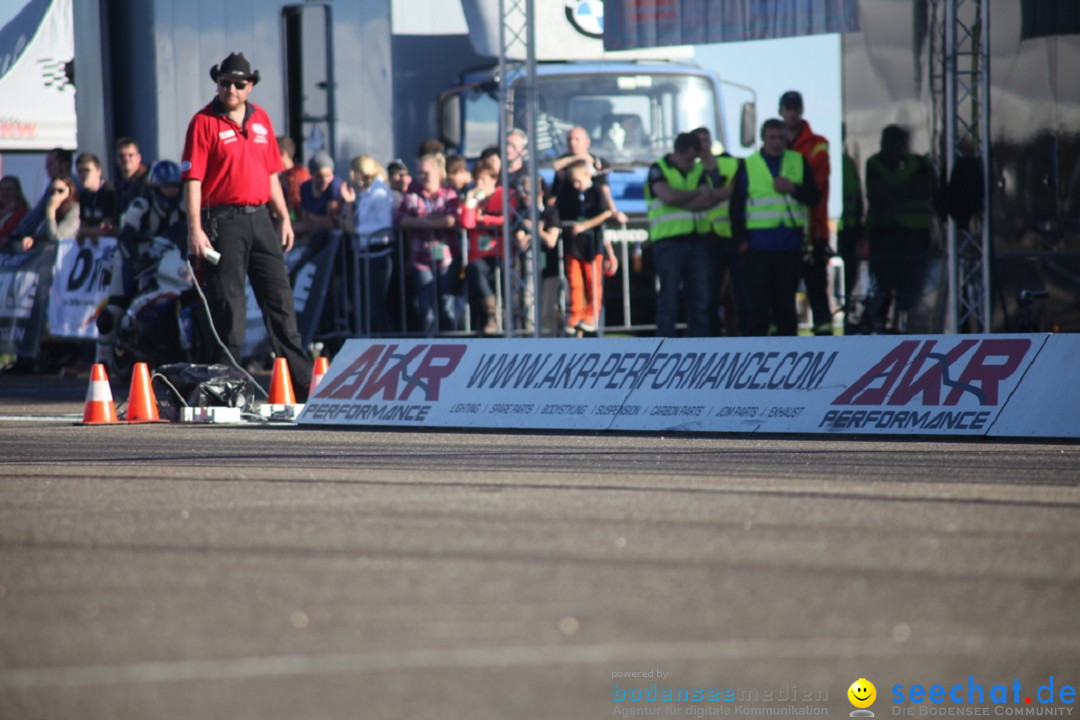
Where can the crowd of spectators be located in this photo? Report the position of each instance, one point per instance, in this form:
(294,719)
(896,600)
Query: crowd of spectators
(430,247)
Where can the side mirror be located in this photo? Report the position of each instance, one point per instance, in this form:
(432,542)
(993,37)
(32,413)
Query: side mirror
(450,119)
(748,125)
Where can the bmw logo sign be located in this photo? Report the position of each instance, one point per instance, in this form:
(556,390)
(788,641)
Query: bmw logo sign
(587,17)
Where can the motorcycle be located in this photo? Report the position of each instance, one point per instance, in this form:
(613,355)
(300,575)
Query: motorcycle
(160,321)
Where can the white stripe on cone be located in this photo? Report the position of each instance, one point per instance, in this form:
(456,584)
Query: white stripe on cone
(99,391)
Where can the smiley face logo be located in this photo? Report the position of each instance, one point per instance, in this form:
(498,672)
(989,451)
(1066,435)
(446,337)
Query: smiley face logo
(862,693)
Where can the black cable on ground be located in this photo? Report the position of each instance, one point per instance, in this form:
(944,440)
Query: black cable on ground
(220,342)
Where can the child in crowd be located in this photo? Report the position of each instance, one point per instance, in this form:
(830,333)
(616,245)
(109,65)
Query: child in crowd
(583,213)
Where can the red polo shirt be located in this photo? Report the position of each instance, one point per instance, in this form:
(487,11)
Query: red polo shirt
(233,162)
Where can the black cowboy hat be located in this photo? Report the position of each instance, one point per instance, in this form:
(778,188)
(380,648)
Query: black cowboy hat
(235,67)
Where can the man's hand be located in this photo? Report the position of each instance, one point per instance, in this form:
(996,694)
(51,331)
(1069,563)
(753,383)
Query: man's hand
(783,185)
(721,194)
(524,240)
(288,237)
(620,217)
(198,243)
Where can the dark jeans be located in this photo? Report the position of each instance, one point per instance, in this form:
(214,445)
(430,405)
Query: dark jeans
(726,259)
(683,262)
(251,247)
(899,263)
(375,275)
(815,275)
(480,276)
(436,287)
(772,279)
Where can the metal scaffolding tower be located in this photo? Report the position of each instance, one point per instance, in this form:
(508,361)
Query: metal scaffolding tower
(960,76)
(517,38)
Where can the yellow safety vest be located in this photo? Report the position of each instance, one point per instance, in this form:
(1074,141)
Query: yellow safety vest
(765,208)
(720,216)
(669,220)
(913,213)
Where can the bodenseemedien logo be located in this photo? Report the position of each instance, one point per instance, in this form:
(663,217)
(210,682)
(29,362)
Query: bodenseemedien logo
(862,695)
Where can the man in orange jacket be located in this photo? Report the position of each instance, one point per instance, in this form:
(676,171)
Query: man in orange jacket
(815,149)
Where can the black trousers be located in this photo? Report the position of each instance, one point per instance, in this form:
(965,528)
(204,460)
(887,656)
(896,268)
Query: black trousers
(251,247)
(772,283)
(816,277)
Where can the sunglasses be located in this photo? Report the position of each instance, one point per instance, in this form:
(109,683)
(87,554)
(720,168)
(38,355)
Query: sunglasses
(238,84)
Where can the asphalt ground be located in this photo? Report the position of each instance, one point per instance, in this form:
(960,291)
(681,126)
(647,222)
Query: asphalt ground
(273,572)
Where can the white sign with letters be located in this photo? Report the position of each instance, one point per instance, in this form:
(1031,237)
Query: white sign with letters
(899,385)
(80,287)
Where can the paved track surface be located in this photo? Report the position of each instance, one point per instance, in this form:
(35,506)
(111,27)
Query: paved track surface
(275,572)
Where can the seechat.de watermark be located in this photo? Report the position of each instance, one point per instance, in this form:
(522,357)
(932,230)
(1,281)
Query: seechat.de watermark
(973,698)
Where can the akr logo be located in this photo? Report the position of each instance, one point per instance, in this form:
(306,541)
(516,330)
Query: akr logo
(587,17)
(917,370)
(385,368)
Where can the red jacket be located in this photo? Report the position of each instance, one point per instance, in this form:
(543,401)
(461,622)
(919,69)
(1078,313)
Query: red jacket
(815,149)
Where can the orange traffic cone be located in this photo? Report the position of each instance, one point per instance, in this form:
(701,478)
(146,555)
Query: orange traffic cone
(99,409)
(281,389)
(142,404)
(321,366)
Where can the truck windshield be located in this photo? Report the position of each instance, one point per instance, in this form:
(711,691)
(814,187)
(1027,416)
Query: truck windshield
(631,119)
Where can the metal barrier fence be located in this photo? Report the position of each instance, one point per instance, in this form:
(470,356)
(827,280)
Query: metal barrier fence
(629,297)
(353,307)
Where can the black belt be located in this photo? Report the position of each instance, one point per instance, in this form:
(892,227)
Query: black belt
(234,209)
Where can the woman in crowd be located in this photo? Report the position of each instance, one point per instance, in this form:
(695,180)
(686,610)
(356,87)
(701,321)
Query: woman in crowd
(481,212)
(428,214)
(13,206)
(61,215)
(372,213)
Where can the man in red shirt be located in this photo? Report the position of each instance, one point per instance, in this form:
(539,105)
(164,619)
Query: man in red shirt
(815,149)
(231,163)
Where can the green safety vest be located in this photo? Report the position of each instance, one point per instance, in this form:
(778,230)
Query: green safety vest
(720,216)
(767,209)
(852,214)
(668,220)
(911,214)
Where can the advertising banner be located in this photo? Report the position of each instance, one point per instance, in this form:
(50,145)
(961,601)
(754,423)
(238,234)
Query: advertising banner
(653,23)
(24,292)
(1047,402)
(899,385)
(80,287)
(37,47)
(563,29)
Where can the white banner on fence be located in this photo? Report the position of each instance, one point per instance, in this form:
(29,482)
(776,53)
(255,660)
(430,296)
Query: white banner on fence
(1047,403)
(37,47)
(919,385)
(80,286)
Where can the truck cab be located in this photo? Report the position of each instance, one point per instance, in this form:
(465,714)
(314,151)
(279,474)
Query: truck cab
(632,111)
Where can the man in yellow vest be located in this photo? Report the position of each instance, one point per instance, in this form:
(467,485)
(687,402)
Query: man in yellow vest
(769,210)
(727,288)
(899,193)
(849,237)
(679,194)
